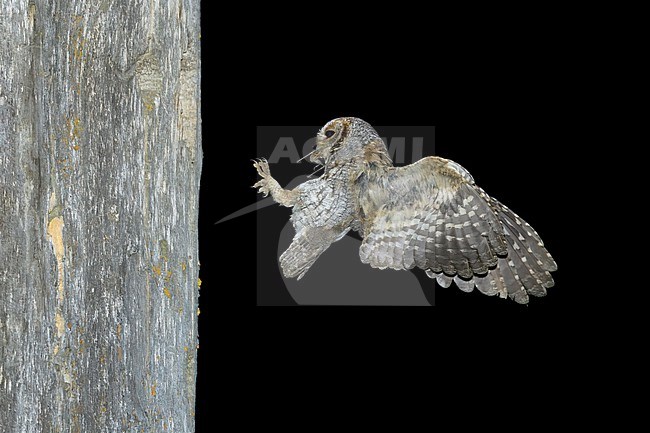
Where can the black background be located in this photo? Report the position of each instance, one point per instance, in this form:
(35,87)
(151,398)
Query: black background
(507,104)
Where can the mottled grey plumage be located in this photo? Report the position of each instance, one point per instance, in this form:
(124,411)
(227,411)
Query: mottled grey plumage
(429,214)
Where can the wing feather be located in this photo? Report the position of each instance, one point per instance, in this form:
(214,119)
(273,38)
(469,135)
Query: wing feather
(408,260)
(419,242)
(525,233)
(444,280)
(435,218)
(466,285)
(485,284)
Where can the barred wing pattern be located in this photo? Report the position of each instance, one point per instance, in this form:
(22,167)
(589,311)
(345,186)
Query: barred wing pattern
(438,219)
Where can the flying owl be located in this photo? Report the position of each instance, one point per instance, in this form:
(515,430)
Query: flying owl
(430,215)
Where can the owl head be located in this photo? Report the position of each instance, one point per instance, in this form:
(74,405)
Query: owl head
(348,140)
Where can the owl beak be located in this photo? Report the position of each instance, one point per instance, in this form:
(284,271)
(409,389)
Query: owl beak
(317,159)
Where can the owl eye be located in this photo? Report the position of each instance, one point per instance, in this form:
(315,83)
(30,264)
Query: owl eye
(329,133)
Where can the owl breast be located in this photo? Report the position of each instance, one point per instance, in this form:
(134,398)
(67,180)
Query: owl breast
(325,202)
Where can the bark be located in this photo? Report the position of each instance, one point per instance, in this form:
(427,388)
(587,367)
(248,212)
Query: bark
(100,158)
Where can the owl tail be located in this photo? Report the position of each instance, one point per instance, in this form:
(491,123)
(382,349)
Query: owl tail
(307,246)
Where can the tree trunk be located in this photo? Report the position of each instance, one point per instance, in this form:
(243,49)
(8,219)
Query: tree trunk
(100,159)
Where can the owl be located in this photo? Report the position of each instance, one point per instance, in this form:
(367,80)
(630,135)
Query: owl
(430,215)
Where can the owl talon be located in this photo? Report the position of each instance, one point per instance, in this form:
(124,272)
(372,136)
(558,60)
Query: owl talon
(262,167)
(263,187)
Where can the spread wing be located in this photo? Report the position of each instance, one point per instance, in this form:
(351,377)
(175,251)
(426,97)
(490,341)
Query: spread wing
(433,216)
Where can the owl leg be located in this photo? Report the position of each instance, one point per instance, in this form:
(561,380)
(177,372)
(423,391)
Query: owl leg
(267,185)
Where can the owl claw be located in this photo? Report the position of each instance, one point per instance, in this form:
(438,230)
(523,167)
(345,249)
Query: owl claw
(262,167)
(263,187)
